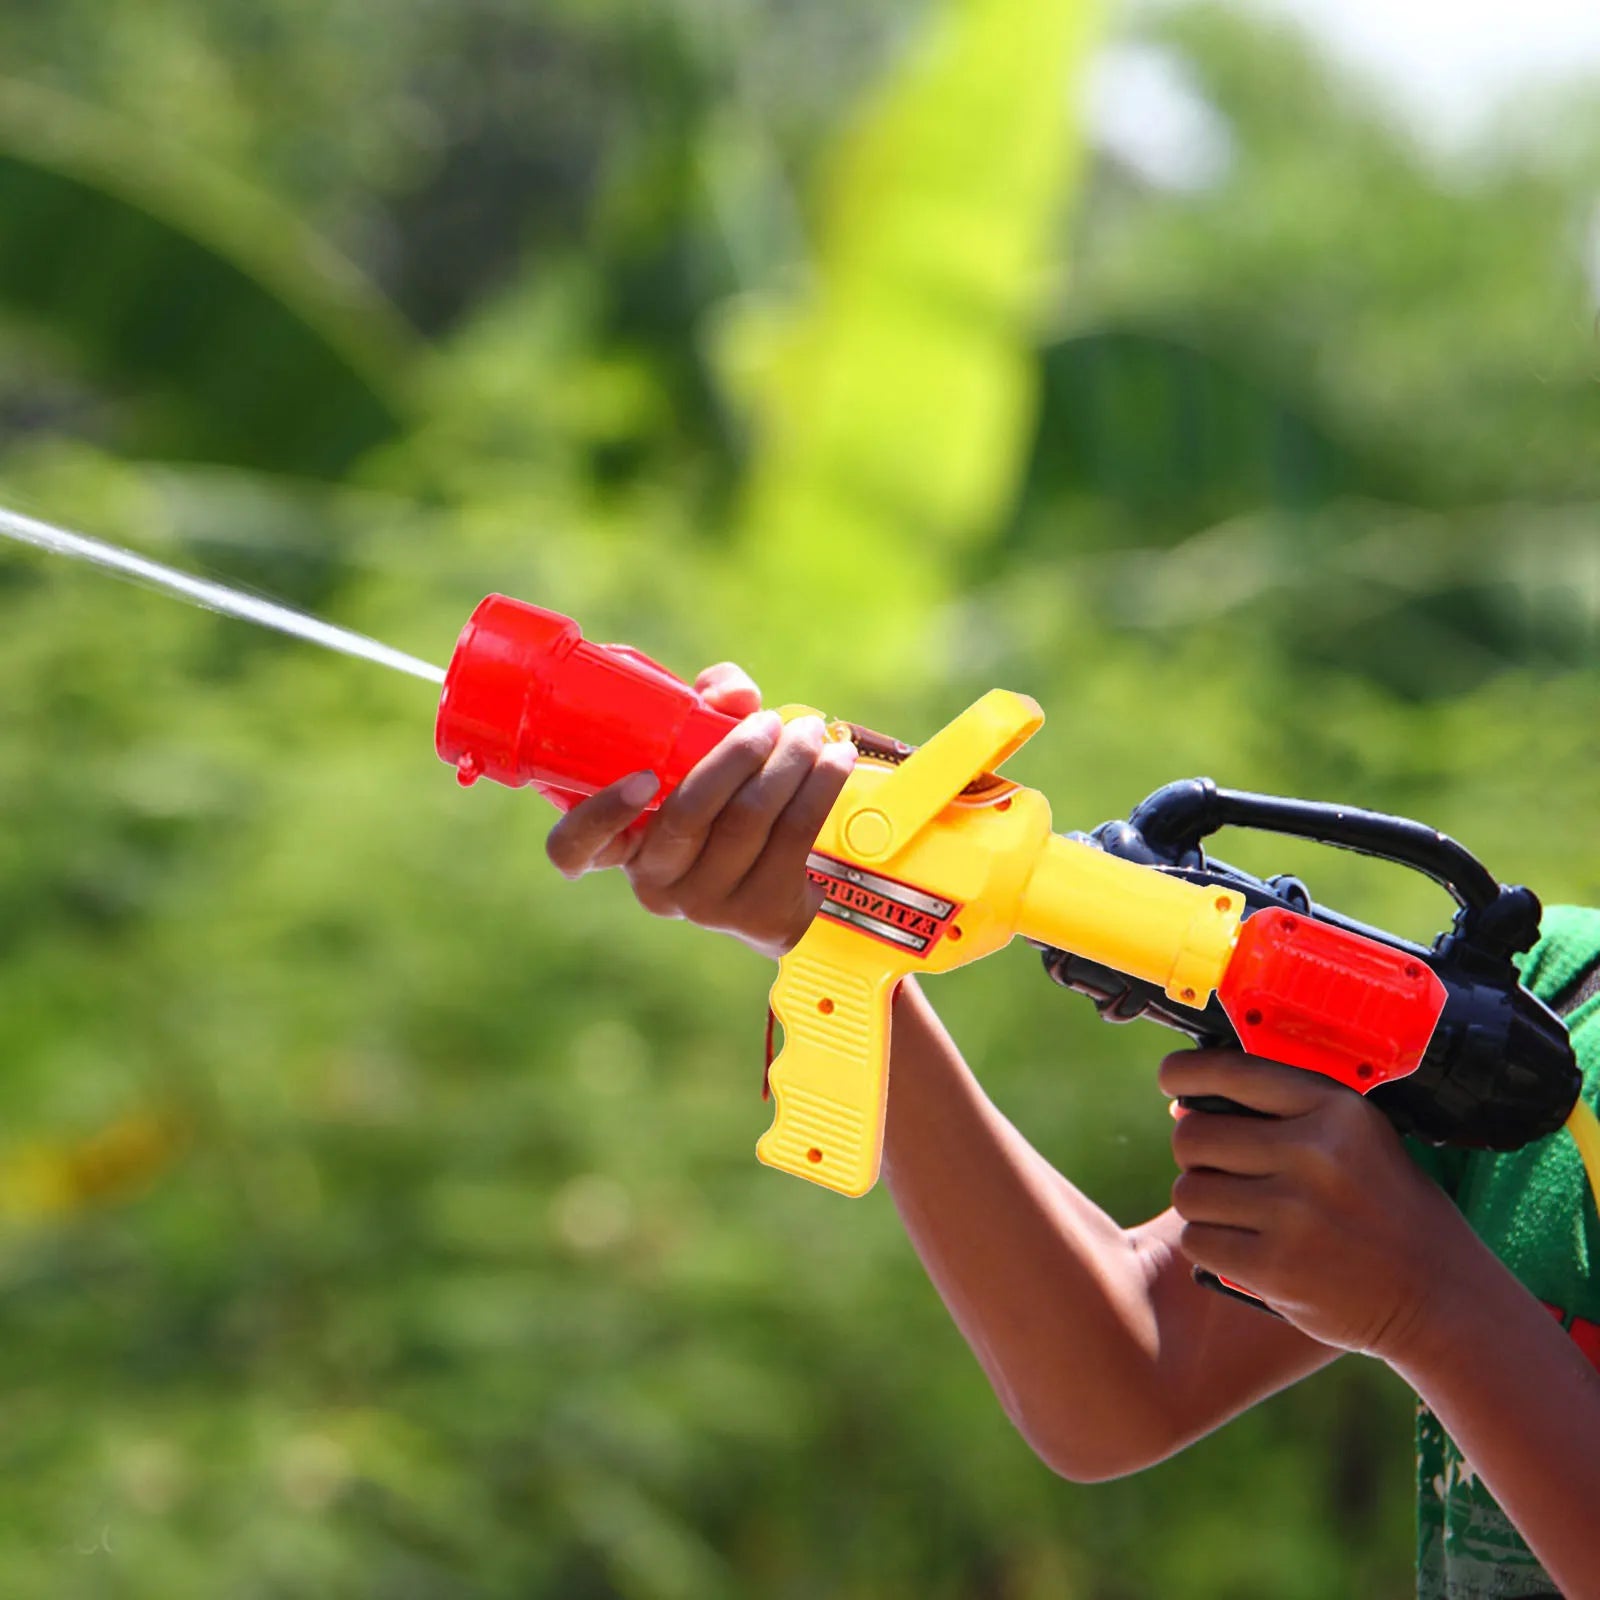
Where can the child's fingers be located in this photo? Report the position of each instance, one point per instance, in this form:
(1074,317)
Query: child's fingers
(728,687)
(1249,1146)
(739,833)
(781,866)
(675,838)
(1221,1199)
(1267,1086)
(622,849)
(1233,1253)
(588,834)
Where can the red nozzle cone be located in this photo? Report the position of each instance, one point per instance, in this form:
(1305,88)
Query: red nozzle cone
(528,700)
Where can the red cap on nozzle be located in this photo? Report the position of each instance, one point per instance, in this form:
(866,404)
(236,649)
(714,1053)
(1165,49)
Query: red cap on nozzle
(528,700)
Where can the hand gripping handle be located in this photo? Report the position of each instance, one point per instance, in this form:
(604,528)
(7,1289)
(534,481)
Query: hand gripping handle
(830,1082)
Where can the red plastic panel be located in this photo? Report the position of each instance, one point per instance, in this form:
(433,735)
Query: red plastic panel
(1312,995)
(527,699)
(1586,1335)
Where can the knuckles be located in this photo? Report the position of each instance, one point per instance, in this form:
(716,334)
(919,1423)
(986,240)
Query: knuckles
(1321,1161)
(752,742)
(1340,1142)
(658,901)
(746,815)
(673,827)
(695,905)
(800,821)
(1208,1246)
(1349,1118)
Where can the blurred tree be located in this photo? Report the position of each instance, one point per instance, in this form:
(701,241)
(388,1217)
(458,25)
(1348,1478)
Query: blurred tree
(377,1213)
(1417,340)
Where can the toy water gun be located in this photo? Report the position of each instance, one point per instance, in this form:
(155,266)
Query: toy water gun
(930,860)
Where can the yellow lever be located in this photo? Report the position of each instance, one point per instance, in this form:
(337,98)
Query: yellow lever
(977,741)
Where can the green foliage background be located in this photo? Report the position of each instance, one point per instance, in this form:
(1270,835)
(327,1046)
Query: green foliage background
(377,1211)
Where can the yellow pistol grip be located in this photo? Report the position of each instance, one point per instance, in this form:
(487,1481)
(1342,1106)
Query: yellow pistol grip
(831,1079)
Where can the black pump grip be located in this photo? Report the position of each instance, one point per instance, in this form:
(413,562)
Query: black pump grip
(1496,919)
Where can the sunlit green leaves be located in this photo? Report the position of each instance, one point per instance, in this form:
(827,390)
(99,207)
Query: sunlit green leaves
(893,408)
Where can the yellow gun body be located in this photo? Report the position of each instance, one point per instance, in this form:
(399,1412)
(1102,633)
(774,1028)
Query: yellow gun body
(929,862)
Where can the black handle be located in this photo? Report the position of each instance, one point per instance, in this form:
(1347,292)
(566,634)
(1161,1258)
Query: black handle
(1221,1105)
(1209,1280)
(1496,919)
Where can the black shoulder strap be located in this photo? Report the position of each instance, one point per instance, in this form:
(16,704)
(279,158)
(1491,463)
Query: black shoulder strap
(1583,987)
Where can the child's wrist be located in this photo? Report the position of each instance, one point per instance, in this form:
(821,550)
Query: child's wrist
(1457,1277)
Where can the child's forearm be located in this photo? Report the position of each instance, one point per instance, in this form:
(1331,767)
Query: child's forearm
(1521,1402)
(1046,1288)
(1095,1339)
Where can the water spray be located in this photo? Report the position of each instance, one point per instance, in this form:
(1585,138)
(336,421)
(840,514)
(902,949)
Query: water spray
(212,596)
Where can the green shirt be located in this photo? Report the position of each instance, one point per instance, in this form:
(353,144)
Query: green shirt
(1533,1208)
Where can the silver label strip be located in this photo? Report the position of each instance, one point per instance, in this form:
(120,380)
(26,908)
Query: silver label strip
(832,867)
(884,930)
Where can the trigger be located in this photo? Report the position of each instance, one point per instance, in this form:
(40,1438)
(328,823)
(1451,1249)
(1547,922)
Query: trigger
(766,1071)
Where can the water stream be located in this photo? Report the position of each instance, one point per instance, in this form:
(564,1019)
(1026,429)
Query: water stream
(213,596)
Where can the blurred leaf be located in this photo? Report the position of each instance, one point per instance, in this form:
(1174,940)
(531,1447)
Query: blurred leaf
(232,335)
(42,1182)
(893,409)
(1441,322)
(1423,604)
(1156,434)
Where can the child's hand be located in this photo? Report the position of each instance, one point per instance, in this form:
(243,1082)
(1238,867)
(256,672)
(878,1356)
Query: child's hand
(1320,1211)
(728,847)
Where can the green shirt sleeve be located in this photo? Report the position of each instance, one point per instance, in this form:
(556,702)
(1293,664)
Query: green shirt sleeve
(1445,1164)
(1569,939)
